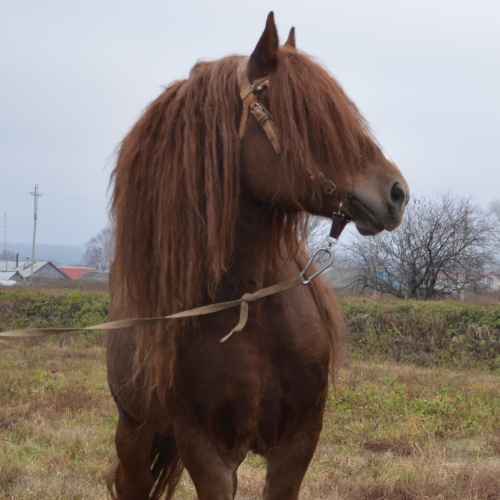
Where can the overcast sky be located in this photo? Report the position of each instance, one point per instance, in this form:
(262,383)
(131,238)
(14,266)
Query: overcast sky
(75,76)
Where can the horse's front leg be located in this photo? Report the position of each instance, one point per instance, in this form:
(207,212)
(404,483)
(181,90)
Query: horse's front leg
(288,463)
(133,478)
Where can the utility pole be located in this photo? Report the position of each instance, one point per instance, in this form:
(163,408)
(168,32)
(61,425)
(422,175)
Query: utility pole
(36,195)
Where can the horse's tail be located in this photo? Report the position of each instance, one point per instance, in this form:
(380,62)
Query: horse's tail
(166,469)
(167,466)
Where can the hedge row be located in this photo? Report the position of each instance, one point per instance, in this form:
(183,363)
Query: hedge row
(54,308)
(424,333)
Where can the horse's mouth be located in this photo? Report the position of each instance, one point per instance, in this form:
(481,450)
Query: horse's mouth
(366,221)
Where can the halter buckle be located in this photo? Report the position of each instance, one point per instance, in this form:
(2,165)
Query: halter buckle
(331,189)
(322,269)
(258,105)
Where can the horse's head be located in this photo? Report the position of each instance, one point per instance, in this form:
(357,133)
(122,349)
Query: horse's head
(309,147)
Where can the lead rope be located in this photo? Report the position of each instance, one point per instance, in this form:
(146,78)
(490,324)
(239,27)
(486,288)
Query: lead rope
(198,311)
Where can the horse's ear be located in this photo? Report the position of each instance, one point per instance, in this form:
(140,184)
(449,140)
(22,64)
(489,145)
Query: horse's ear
(265,56)
(290,42)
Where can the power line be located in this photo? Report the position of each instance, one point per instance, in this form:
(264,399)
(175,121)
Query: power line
(75,238)
(71,198)
(51,186)
(70,240)
(52,241)
(86,235)
(15,195)
(15,187)
(71,189)
(65,237)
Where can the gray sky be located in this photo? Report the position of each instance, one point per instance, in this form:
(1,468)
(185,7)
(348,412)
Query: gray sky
(74,77)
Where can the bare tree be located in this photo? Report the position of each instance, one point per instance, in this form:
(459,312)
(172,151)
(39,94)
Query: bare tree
(494,210)
(318,236)
(318,230)
(99,250)
(494,213)
(7,255)
(442,247)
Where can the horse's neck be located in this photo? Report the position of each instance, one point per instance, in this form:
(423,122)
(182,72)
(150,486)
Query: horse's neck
(247,266)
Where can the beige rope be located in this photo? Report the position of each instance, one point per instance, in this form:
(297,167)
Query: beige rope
(198,311)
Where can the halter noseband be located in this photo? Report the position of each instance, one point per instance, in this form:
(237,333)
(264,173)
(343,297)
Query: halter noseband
(252,105)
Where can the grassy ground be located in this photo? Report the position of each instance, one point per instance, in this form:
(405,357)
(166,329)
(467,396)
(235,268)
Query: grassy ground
(392,431)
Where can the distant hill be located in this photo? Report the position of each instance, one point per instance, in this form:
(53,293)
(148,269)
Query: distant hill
(58,254)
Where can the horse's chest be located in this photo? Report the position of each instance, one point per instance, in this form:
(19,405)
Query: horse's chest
(250,391)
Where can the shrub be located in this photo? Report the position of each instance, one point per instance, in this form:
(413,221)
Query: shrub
(427,333)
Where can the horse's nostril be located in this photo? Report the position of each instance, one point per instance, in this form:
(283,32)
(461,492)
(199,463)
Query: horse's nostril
(398,194)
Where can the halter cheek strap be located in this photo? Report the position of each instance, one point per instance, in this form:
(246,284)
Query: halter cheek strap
(252,105)
(265,119)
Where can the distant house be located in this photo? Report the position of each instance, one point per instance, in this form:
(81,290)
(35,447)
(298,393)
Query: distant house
(476,281)
(490,280)
(41,269)
(76,272)
(8,265)
(9,278)
(94,276)
(356,280)
(344,277)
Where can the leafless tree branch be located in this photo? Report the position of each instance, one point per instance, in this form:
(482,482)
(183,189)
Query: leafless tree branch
(442,246)
(99,250)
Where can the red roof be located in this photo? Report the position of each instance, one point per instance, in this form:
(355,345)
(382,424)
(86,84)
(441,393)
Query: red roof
(75,272)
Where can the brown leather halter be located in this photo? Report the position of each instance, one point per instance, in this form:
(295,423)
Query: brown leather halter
(251,104)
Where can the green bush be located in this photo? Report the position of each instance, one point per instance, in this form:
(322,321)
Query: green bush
(443,333)
(55,308)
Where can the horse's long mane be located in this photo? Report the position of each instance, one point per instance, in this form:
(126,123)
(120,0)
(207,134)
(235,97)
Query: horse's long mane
(177,182)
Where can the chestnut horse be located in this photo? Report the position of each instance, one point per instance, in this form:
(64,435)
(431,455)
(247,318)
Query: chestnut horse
(209,204)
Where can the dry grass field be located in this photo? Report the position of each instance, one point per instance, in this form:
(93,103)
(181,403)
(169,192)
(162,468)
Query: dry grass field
(391,431)
(414,415)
